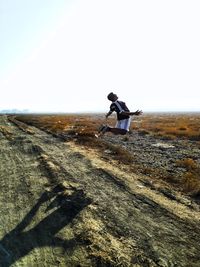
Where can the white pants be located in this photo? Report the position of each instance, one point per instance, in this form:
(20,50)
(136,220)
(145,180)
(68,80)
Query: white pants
(123,124)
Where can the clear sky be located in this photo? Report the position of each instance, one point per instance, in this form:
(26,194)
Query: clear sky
(62,55)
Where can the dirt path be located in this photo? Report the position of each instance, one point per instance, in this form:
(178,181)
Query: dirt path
(63,205)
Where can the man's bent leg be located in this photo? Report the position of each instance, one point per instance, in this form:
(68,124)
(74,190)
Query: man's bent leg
(117,131)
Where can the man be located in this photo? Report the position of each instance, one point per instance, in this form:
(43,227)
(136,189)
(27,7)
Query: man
(123,116)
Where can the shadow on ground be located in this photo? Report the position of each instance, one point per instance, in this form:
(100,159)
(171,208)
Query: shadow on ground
(18,242)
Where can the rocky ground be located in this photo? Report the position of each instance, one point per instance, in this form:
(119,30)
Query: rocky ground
(158,153)
(64,204)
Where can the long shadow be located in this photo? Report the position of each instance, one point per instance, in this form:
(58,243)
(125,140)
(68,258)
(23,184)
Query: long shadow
(18,243)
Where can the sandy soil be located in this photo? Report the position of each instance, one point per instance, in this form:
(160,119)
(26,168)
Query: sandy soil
(65,205)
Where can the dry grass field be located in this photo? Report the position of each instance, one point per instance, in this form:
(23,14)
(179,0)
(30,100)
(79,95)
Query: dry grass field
(172,126)
(169,126)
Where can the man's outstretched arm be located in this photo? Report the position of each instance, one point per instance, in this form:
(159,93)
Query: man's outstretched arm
(109,113)
(137,112)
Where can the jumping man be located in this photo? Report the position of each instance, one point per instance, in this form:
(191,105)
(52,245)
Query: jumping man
(123,116)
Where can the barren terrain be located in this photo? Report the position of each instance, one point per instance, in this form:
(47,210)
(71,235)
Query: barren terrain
(65,204)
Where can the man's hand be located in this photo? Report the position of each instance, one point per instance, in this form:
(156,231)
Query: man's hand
(138,112)
(108,114)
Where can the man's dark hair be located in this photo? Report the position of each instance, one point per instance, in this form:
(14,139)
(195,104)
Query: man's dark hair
(110,96)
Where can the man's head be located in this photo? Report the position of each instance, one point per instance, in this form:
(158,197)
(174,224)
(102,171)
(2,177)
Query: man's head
(112,97)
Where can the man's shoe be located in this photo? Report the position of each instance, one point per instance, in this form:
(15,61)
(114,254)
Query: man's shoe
(101,128)
(104,129)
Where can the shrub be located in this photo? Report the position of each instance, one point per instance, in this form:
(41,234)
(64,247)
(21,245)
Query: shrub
(187,163)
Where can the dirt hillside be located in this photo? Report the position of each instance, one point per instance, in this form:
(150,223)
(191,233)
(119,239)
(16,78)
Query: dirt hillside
(62,204)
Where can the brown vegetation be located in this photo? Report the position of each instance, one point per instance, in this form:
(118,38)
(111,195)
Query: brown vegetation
(69,124)
(81,128)
(171,126)
(191,178)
